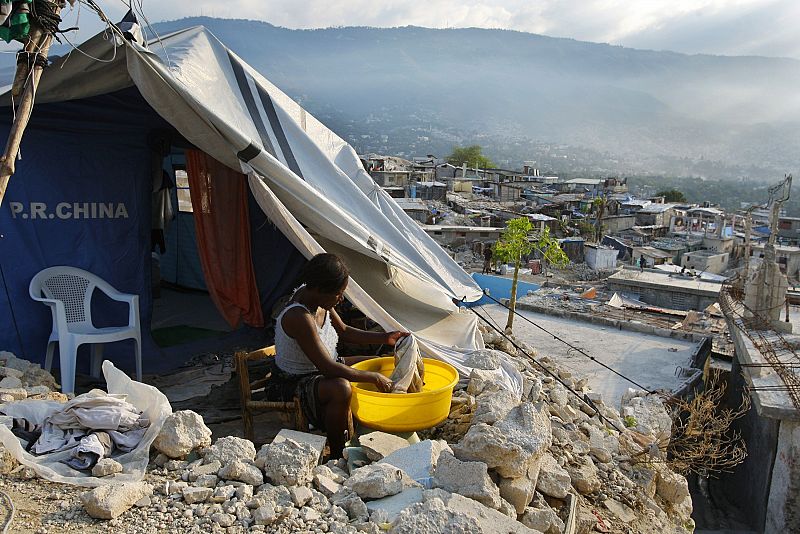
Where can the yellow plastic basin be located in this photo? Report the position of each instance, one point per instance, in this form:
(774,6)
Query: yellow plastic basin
(404,412)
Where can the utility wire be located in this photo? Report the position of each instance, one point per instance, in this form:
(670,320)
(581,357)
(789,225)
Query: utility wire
(584,399)
(571,346)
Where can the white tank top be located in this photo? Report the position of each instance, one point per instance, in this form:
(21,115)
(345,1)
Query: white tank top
(289,357)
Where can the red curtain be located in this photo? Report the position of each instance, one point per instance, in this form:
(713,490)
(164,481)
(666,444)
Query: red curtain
(219,202)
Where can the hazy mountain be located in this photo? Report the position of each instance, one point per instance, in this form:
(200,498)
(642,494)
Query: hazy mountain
(420,91)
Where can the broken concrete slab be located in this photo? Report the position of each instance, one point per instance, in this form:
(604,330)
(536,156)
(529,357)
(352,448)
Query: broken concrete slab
(419,460)
(671,486)
(377,445)
(112,500)
(517,491)
(243,472)
(315,440)
(584,476)
(622,511)
(376,481)
(510,445)
(470,479)
(230,448)
(487,519)
(493,406)
(394,504)
(553,480)
(543,520)
(289,463)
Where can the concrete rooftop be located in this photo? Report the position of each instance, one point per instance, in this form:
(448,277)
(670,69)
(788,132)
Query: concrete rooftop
(646,359)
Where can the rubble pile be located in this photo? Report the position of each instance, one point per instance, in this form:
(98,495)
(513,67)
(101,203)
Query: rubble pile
(497,464)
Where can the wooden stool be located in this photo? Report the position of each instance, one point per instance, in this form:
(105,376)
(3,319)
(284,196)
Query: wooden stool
(246,389)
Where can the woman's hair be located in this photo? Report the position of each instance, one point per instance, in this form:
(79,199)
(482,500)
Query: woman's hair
(326,273)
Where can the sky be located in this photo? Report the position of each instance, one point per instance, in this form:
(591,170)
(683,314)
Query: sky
(726,27)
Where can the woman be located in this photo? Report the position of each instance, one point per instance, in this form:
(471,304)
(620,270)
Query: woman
(306,334)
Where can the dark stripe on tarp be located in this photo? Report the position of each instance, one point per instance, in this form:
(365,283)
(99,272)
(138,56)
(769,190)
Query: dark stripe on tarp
(250,102)
(249,152)
(272,115)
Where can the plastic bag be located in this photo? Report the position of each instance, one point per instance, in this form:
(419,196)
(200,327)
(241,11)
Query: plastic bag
(146,398)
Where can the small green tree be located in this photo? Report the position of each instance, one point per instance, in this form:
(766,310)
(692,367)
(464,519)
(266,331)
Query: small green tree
(516,242)
(599,207)
(672,195)
(512,245)
(471,155)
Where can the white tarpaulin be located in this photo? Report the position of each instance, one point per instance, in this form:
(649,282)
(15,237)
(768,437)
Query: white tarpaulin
(146,398)
(228,110)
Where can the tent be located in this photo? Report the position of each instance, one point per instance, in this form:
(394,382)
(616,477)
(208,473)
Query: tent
(82,193)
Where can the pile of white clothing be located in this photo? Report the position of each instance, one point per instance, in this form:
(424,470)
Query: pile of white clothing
(93,425)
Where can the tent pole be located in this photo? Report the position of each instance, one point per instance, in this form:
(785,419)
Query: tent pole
(38,43)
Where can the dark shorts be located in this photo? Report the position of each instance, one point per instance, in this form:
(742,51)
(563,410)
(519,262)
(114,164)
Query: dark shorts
(283,386)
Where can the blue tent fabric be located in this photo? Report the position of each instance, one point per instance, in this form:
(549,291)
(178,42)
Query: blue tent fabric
(80,197)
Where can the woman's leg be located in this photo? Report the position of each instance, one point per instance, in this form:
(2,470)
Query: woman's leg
(333,395)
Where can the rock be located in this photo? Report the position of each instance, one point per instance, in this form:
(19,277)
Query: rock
(470,479)
(8,371)
(7,461)
(265,515)
(181,433)
(12,362)
(223,493)
(112,500)
(378,445)
(10,382)
(558,395)
(391,506)
(309,515)
(194,495)
(518,492)
(351,503)
(493,406)
(484,359)
(230,448)
(143,502)
(671,486)
(419,460)
(207,469)
(553,480)
(206,481)
(645,478)
(432,516)
(326,485)
(37,390)
(584,476)
(15,393)
(480,381)
(649,412)
(243,472)
(511,445)
(532,389)
(622,511)
(314,440)
(289,463)
(544,520)
(300,495)
(105,467)
(224,520)
(487,519)
(376,481)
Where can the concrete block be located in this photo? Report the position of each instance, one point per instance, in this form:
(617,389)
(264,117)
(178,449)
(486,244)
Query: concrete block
(418,461)
(394,504)
(315,440)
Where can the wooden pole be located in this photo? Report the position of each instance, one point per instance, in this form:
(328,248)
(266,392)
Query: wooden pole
(38,41)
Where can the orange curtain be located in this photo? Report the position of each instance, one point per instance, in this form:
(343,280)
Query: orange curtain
(219,202)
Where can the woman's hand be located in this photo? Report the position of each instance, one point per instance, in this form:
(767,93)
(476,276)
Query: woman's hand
(393,337)
(381,382)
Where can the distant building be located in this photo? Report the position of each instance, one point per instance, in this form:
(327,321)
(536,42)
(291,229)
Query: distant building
(706,260)
(616,223)
(414,208)
(652,256)
(455,236)
(600,258)
(665,290)
(655,215)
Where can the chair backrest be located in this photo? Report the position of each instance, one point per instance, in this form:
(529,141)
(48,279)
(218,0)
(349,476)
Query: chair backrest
(70,285)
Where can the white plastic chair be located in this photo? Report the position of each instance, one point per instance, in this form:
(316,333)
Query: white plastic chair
(68,291)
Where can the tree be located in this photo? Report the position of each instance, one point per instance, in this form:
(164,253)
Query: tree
(672,195)
(515,242)
(471,155)
(599,205)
